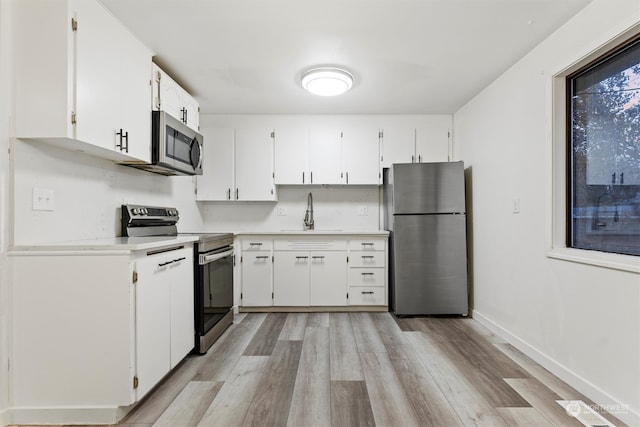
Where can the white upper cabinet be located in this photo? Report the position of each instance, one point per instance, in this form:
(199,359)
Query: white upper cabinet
(170,97)
(360,153)
(217,180)
(254,164)
(325,155)
(398,145)
(238,165)
(82,80)
(432,144)
(291,156)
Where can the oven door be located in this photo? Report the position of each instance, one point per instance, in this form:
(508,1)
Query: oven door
(213,288)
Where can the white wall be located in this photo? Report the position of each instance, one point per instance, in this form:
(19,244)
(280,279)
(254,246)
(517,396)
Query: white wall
(5,108)
(580,321)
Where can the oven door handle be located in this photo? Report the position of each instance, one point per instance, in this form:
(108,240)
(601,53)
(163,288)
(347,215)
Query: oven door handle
(206,259)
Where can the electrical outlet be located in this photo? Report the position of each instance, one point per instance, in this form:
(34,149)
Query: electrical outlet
(282,211)
(363,210)
(516,205)
(43,199)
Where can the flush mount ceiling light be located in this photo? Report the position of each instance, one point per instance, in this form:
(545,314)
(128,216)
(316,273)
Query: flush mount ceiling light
(327,81)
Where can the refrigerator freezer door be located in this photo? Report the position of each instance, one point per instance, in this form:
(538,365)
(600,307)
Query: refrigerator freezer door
(429,265)
(428,188)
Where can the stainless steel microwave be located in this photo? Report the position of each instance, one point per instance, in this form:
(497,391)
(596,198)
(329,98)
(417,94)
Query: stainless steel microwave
(175,148)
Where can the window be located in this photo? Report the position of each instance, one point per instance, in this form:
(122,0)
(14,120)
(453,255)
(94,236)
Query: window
(604,153)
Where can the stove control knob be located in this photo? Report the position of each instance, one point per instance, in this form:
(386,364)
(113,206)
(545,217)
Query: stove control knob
(175,212)
(135,211)
(144,211)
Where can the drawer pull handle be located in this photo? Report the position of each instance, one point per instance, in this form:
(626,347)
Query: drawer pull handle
(367,244)
(162,264)
(367,257)
(366,292)
(302,257)
(262,257)
(255,244)
(318,257)
(367,274)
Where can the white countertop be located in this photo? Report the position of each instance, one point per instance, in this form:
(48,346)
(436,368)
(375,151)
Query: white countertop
(109,244)
(314,233)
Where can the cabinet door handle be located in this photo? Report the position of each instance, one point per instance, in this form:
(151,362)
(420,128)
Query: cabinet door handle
(123,146)
(413,158)
(311,177)
(621,178)
(613,178)
(162,264)
(303,177)
(347,174)
(228,193)
(419,158)
(236,194)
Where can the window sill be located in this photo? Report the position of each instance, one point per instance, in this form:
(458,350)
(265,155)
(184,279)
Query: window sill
(628,263)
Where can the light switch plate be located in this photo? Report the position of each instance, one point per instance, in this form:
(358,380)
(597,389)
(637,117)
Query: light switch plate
(43,199)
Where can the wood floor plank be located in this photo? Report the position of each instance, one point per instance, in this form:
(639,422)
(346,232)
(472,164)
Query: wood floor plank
(524,417)
(429,403)
(350,406)
(266,337)
(318,320)
(311,400)
(188,408)
(555,384)
(389,401)
(219,361)
(483,366)
(272,400)
(294,327)
(344,358)
(543,399)
(388,330)
(466,400)
(230,405)
(367,338)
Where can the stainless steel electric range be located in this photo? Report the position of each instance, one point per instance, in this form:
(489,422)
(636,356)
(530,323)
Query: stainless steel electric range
(213,268)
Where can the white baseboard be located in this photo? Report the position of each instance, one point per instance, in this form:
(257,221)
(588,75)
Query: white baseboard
(4,418)
(65,415)
(629,415)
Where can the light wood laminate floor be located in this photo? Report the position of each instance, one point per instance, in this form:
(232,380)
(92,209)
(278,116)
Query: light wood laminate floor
(357,369)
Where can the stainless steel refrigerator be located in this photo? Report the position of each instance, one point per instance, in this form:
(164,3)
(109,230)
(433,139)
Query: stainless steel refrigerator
(426,217)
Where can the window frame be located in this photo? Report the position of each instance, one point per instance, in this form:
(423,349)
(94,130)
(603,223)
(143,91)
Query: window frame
(558,240)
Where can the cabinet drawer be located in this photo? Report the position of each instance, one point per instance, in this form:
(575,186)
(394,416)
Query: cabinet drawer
(367,244)
(257,245)
(366,259)
(366,295)
(309,245)
(366,276)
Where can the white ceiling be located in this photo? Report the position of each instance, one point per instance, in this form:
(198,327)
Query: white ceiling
(407,56)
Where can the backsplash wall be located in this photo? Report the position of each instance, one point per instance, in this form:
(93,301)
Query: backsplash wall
(88,193)
(334,208)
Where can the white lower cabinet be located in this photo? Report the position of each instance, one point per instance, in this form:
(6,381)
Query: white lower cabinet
(256,267)
(313,270)
(120,319)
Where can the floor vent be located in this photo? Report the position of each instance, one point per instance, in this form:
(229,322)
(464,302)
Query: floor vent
(584,413)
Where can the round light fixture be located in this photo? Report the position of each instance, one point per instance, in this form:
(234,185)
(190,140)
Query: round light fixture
(327,81)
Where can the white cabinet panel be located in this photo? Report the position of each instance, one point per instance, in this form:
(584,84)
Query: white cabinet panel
(398,145)
(254,164)
(170,97)
(94,93)
(256,279)
(291,278)
(291,154)
(328,284)
(217,180)
(182,307)
(325,152)
(360,155)
(432,143)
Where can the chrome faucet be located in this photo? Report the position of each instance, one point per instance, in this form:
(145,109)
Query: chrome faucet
(308,216)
